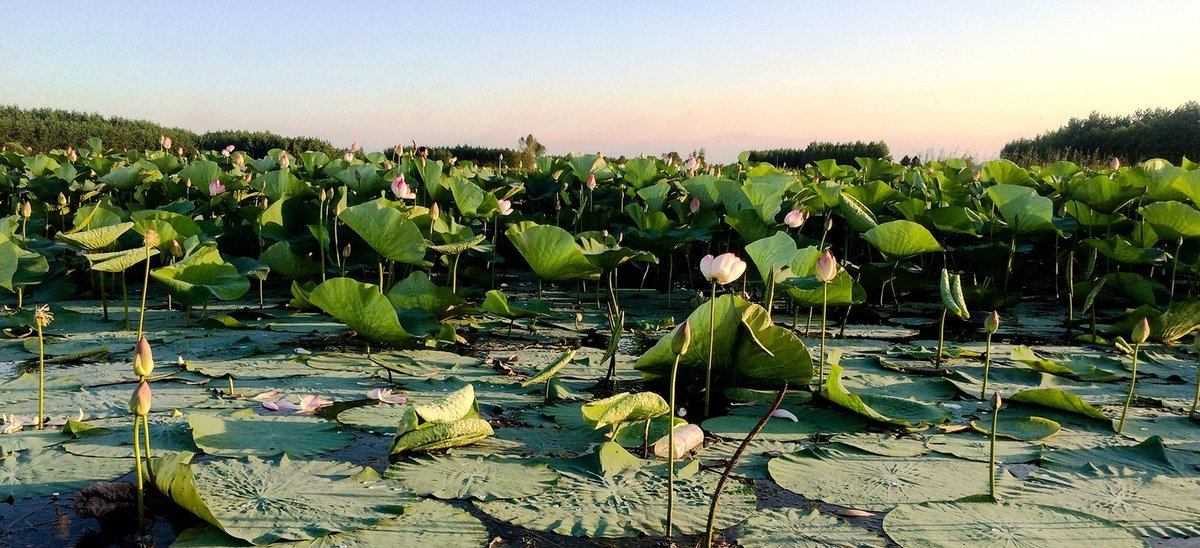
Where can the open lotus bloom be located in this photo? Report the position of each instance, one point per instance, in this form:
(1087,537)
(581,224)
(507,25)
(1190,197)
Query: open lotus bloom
(723,268)
(504,207)
(401,189)
(308,404)
(215,188)
(795,218)
(385,395)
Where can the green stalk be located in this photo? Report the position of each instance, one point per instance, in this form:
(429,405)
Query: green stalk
(824,308)
(992,454)
(1196,400)
(381,276)
(712,509)
(1174,267)
(1129,397)
(712,336)
(146,435)
(41,377)
(145,290)
(125,296)
(671,448)
(321,235)
(137,460)
(987,363)
(942,337)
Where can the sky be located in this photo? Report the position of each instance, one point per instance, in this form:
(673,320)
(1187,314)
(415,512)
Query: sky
(929,78)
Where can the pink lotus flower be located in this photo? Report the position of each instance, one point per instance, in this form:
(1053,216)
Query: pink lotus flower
(827,267)
(284,161)
(164,142)
(348,157)
(355,147)
(691,163)
(504,207)
(795,218)
(215,188)
(401,189)
(695,205)
(227,151)
(308,405)
(71,154)
(591,181)
(385,395)
(723,268)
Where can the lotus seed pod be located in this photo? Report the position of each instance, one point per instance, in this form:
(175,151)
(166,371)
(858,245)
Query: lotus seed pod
(139,403)
(996,401)
(1141,332)
(143,358)
(992,322)
(682,339)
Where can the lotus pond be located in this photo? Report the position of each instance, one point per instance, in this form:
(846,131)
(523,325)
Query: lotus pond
(383,350)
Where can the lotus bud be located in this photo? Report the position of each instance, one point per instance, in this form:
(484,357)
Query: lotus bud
(323,195)
(27,209)
(348,156)
(227,151)
(435,212)
(43,316)
(722,269)
(284,161)
(399,150)
(164,142)
(355,147)
(829,223)
(992,322)
(690,164)
(151,239)
(695,205)
(996,401)
(682,339)
(1141,332)
(795,218)
(591,181)
(215,188)
(139,403)
(346,251)
(827,268)
(62,200)
(975,176)
(143,358)
(504,207)
(179,151)
(241,160)
(71,154)
(176,249)
(1114,163)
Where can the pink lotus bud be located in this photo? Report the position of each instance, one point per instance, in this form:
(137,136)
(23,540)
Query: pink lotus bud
(795,218)
(241,160)
(176,249)
(992,322)
(827,267)
(355,147)
(71,154)
(143,357)
(435,212)
(348,157)
(27,209)
(829,223)
(682,339)
(722,269)
(504,207)
(691,163)
(1141,332)
(1114,163)
(591,181)
(139,403)
(284,160)
(975,176)
(215,188)
(179,151)
(164,142)
(694,206)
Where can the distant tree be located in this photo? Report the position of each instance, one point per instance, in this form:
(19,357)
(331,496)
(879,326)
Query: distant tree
(528,149)
(842,153)
(1171,134)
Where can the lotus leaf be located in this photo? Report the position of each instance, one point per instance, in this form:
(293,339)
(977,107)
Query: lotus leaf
(38,472)
(361,307)
(201,276)
(954,524)
(901,239)
(1151,504)
(387,230)
(624,407)
(793,527)
(476,478)
(247,434)
(907,413)
(551,252)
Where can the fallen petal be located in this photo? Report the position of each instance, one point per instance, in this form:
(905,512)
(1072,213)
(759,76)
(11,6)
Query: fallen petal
(785,414)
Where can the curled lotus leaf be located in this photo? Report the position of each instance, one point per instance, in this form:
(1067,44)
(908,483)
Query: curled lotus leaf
(624,407)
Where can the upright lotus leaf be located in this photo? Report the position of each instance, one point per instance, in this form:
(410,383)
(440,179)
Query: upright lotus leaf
(872,482)
(748,225)
(901,239)
(248,434)
(263,501)
(584,164)
(471,200)
(954,524)
(1123,251)
(551,252)
(288,264)
(856,214)
(607,254)
(640,172)
(360,307)
(655,195)
(201,276)
(387,230)
(1106,195)
(96,238)
(1005,172)
(772,254)
(417,291)
(18,266)
(1159,178)
(1023,210)
(279,184)
(200,173)
(951,219)
(450,421)
(362,179)
(548,372)
(765,194)
(748,350)
(624,407)
(1172,220)
(805,290)
(168,224)
(892,410)
(479,478)
(797,528)
(497,303)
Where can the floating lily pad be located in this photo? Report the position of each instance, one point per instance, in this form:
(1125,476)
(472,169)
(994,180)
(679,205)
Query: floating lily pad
(247,434)
(811,421)
(793,527)
(908,413)
(45,471)
(1150,456)
(476,478)
(167,435)
(955,524)
(977,448)
(883,444)
(871,482)
(1019,428)
(753,462)
(376,419)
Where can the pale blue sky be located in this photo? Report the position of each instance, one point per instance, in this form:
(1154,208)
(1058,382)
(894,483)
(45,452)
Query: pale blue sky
(615,77)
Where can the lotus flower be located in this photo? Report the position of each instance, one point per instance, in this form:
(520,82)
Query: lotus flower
(139,403)
(992,322)
(1114,163)
(385,395)
(308,405)
(348,156)
(827,268)
(227,151)
(143,357)
(71,154)
(215,188)
(722,269)
(591,181)
(284,161)
(401,189)
(1141,332)
(695,205)
(504,207)
(355,147)
(164,141)
(795,218)
(691,163)
(785,414)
